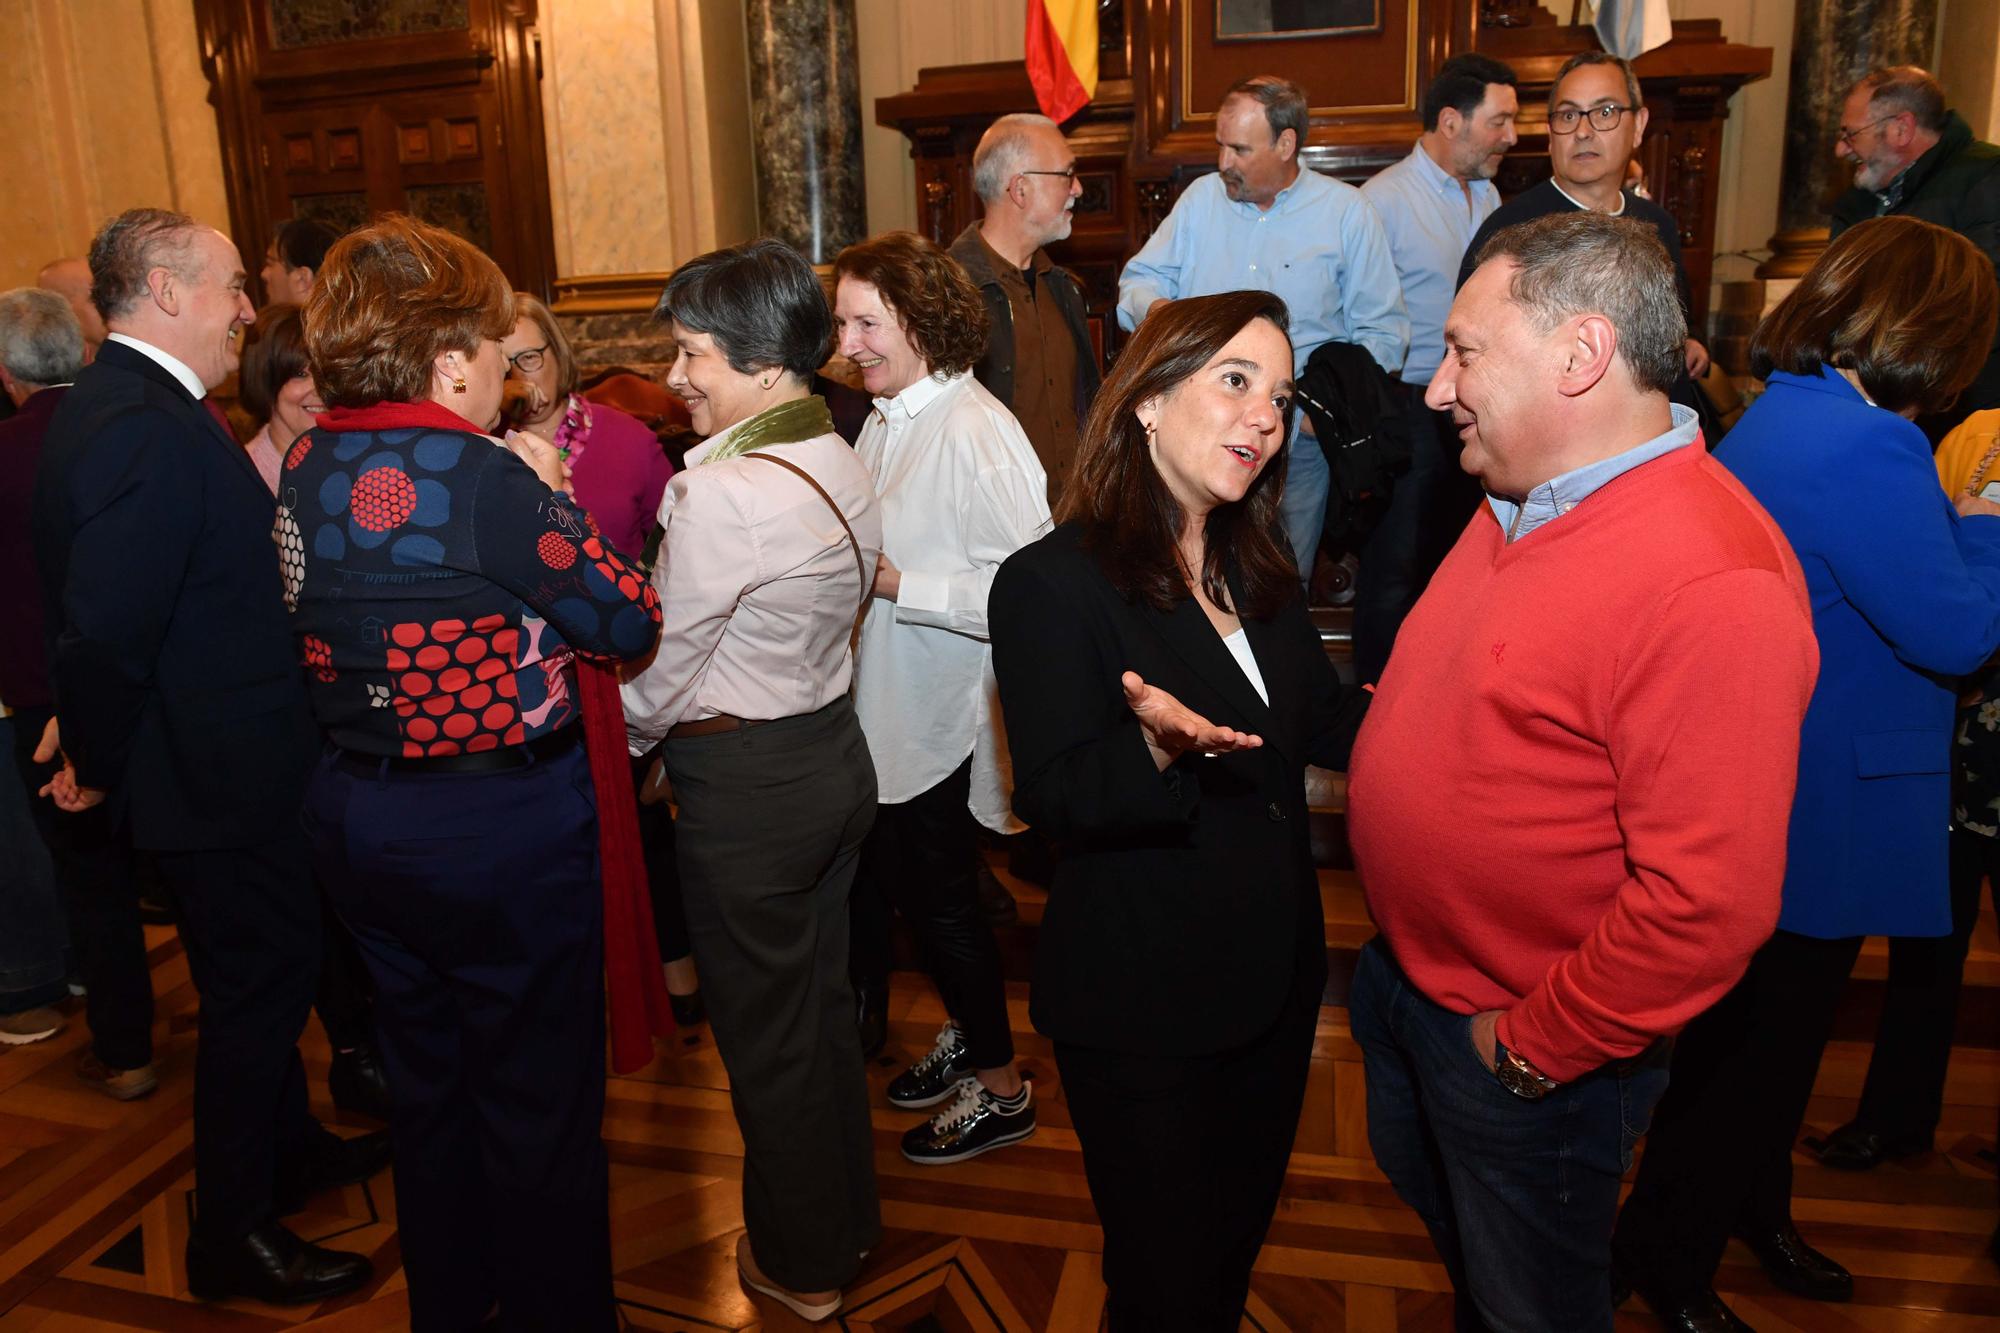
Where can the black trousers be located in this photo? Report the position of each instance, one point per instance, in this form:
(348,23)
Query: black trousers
(477,905)
(1186,1158)
(1904,1095)
(250,923)
(922,858)
(663,871)
(96,872)
(771,824)
(1427,511)
(1719,1153)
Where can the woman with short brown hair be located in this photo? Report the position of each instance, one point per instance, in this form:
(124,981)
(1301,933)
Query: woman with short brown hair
(961,491)
(456,614)
(276,388)
(1892,321)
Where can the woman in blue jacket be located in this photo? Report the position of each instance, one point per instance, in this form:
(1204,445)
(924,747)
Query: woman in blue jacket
(1894,320)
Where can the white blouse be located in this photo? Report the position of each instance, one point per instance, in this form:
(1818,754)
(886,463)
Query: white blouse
(1238,645)
(961,491)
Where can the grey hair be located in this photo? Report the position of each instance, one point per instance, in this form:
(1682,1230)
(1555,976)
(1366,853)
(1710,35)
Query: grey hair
(1585,263)
(1284,103)
(132,245)
(1001,151)
(40,341)
(1632,94)
(1901,88)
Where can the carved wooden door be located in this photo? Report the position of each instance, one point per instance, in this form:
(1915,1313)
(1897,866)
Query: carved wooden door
(341,109)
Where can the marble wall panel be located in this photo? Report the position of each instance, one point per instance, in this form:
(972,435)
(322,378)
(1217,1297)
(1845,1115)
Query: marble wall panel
(602,105)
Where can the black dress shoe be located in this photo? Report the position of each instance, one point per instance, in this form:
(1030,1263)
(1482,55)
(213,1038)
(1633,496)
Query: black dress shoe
(688,1009)
(871,1017)
(359,1083)
(329,1163)
(271,1264)
(996,905)
(1797,1266)
(1702,1312)
(1853,1148)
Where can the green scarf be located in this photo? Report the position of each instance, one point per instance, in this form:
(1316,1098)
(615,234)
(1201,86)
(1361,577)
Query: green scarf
(787,423)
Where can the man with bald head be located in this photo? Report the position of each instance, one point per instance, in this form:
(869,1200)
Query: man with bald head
(180,708)
(1039,360)
(70,279)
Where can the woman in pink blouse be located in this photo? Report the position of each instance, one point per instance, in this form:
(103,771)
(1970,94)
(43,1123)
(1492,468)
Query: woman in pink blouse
(616,464)
(277,389)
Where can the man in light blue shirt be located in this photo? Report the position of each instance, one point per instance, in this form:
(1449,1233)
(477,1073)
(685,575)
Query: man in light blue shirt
(1262,222)
(1431,204)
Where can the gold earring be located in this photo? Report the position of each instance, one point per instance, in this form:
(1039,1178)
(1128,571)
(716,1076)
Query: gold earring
(458,386)
(764,384)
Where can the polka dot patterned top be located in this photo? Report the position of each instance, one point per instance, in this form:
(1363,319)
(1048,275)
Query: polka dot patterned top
(440,592)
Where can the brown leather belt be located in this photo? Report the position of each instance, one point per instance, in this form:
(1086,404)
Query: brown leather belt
(710,726)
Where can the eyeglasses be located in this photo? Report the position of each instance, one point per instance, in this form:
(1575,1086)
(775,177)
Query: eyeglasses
(1068,173)
(1605,116)
(1846,135)
(528,360)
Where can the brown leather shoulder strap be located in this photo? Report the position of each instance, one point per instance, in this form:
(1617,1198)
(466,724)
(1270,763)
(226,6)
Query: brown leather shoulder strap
(860,564)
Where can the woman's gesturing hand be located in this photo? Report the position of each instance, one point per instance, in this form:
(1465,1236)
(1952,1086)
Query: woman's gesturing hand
(1172,728)
(543,457)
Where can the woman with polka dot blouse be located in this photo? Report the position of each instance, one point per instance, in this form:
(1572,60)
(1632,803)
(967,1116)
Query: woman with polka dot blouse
(454,610)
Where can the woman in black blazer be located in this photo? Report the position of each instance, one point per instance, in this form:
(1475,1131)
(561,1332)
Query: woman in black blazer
(1163,692)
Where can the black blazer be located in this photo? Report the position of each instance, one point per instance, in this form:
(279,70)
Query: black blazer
(1183,901)
(174,672)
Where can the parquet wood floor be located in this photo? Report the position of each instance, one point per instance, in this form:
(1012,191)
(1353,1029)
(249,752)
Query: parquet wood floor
(94,1195)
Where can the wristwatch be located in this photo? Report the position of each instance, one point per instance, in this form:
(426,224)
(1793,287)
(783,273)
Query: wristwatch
(1517,1075)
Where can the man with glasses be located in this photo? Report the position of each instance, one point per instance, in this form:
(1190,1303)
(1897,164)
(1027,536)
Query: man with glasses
(1260,221)
(1039,359)
(1913,156)
(1597,119)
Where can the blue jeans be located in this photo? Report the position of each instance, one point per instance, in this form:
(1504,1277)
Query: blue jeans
(34,941)
(1519,1195)
(1302,507)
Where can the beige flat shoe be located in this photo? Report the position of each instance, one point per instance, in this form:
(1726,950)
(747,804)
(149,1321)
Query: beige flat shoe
(799,1303)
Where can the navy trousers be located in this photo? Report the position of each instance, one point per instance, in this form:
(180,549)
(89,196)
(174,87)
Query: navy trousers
(477,906)
(1519,1196)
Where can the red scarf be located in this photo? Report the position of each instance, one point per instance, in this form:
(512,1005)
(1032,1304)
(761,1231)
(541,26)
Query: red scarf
(639,1007)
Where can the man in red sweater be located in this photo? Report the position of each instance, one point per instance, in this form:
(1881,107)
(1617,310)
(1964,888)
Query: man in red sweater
(1568,803)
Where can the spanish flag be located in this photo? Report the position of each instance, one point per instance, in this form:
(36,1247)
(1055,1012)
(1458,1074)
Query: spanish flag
(1062,55)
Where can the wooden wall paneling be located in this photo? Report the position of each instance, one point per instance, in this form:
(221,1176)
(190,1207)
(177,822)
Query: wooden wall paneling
(419,123)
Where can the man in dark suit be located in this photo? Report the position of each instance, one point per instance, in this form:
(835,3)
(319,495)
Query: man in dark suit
(180,706)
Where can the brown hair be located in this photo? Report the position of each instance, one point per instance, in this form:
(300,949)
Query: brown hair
(389,300)
(276,354)
(1906,305)
(559,351)
(1131,522)
(941,312)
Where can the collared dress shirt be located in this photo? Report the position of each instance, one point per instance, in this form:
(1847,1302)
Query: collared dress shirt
(1319,246)
(1429,220)
(1558,495)
(173,365)
(961,491)
(763,588)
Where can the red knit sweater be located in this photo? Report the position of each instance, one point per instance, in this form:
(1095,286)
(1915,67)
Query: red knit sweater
(1570,796)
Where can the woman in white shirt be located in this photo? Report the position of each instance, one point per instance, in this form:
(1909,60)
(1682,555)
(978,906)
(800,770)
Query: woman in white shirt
(961,491)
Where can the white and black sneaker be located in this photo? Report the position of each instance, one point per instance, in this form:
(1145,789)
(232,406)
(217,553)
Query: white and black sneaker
(975,1122)
(936,1076)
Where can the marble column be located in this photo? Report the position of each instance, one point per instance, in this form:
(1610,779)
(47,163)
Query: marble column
(805,124)
(1834,43)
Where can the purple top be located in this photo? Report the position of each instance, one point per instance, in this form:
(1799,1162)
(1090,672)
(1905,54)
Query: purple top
(24,664)
(620,471)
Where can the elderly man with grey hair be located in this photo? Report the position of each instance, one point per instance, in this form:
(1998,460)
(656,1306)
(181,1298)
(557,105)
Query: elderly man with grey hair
(1039,361)
(41,351)
(182,711)
(1621,649)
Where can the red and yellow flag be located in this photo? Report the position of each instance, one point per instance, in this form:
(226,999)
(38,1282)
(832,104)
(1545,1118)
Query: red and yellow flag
(1062,55)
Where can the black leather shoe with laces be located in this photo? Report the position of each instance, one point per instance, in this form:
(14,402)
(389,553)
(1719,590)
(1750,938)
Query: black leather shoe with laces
(936,1076)
(271,1264)
(1797,1266)
(974,1123)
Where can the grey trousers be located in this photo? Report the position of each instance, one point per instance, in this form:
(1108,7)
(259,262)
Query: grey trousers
(771,824)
